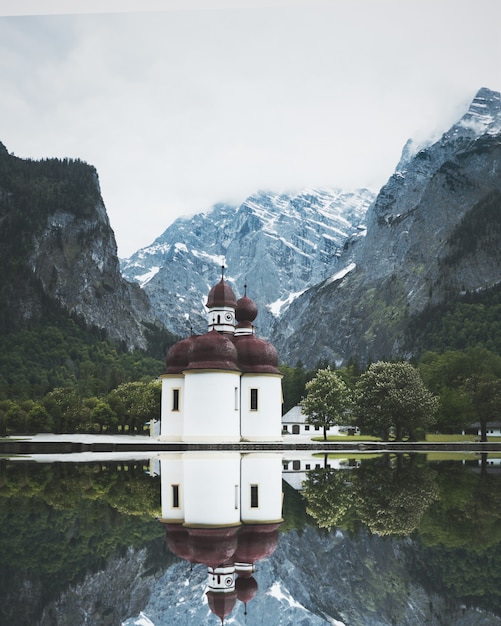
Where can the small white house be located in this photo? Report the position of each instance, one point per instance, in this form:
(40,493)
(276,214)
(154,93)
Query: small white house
(493,429)
(294,423)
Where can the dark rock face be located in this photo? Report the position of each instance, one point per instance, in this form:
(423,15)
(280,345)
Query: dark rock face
(58,251)
(433,233)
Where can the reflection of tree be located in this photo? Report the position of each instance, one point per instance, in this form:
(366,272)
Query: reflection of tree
(461,536)
(389,498)
(393,498)
(330,497)
(468,513)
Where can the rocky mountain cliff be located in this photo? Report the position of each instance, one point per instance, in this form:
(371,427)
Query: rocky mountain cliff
(433,235)
(58,252)
(277,244)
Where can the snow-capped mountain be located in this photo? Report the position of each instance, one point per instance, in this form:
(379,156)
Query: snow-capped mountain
(278,244)
(433,234)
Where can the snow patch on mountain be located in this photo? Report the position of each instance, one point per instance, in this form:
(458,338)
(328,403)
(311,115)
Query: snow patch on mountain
(341,274)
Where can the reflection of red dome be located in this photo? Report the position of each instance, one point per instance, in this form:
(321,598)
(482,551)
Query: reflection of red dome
(221,295)
(221,604)
(178,356)
(213,546)
(256,355)
(246,589)
(177,539)
(213,351)
(255,542)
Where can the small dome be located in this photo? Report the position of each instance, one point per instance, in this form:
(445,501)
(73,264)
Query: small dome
(246,310)
(256,355)
(213,351)
(178,356)
(246,589)
(221,604)
(221,295)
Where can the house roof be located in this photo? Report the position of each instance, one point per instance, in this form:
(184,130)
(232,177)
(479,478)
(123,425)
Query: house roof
(294,416)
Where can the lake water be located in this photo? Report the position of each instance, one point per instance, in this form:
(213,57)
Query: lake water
(300,539)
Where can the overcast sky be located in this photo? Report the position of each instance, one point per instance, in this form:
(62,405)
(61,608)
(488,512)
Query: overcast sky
(198,103)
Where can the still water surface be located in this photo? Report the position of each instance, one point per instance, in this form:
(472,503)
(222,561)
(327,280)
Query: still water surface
(176,539)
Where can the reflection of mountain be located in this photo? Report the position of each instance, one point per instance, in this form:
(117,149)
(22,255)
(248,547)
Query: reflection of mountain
(223,511)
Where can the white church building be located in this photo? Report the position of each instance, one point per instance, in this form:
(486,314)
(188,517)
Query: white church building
(223,386)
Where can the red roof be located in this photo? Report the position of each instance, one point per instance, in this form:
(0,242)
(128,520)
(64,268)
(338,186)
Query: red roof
(221,295)
(256,355)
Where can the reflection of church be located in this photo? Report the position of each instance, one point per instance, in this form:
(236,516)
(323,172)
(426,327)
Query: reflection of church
(223,510)
(223,386)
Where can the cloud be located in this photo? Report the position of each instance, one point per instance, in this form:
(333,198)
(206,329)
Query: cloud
(180,109)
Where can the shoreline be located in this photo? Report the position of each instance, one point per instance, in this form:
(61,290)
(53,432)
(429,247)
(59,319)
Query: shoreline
(74,443)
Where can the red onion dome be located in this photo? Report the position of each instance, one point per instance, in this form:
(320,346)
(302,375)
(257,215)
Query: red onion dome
(178,356)
(213,546)
(221,295)
(246,589)
(256,355)
(213,351)
(221,604)
(255,542)
(246,310)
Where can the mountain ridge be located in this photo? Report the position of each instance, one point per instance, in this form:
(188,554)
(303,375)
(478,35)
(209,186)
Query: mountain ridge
(276,243)
(411,257)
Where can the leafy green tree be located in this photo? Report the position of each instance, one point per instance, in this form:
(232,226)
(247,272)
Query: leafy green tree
(65,406)
(39,420)
(485,392)
(327,400)
(393,396)
(468,383)
(103,415)
(136,403)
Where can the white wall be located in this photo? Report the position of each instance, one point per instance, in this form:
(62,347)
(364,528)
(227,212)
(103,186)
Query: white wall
(171,427)
(265,424)
(212,488)
(265,471)
(210,411)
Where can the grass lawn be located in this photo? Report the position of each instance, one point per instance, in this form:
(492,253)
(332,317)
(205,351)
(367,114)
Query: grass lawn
(432,437)
(357,438)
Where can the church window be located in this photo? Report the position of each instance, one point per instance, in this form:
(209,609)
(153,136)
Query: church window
(175,496)
(236,399)
(236,497)
(175,399)
(296,465)
(254,495)
(253,400)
